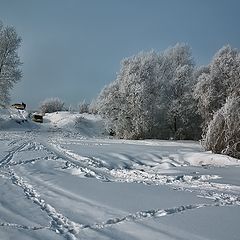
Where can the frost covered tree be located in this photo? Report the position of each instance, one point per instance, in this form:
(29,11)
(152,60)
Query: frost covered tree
(138,88)
(151,96)
(10,72)
(92,108)
(217,92)
(129,102)
(217,81)
(50,105)
(176,87)
(108,104)
(223,132)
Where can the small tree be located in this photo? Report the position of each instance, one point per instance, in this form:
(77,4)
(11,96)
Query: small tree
(50,105)
(9,61)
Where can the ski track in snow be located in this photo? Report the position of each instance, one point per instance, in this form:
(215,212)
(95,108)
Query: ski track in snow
(220,194)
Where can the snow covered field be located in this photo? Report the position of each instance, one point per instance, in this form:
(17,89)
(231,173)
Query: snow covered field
(64,180)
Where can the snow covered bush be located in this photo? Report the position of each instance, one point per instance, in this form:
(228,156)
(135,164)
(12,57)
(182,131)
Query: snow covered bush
(79,120)
(92,108)
(83,107)
(217,81)
(218,96)
(223,132)
(9,61)
(50,105)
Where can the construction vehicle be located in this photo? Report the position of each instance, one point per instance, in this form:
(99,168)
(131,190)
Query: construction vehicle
(37,117)
(19,106)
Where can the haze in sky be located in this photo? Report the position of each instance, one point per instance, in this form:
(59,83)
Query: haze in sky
(71,49)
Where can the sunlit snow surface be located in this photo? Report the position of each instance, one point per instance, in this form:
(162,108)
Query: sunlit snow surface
(64,179)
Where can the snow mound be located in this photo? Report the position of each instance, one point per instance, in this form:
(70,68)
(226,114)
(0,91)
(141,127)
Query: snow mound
(87,125)
(11,118)
(209,159)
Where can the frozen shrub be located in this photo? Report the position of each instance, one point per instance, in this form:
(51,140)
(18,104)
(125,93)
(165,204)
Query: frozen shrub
(82,123)
(92,108)
(223,132)
(83,107)
(79,120)
(50,105)
(216,82)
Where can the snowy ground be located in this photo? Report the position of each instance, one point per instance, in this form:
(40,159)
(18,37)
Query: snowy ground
(64,180)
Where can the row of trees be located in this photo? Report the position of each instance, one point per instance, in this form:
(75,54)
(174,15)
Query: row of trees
(164,95)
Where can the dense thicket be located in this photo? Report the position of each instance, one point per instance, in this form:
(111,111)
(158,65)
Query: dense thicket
(152,96)
(163,95)
(217,81)
(223,132)
(9,61)
(217,92)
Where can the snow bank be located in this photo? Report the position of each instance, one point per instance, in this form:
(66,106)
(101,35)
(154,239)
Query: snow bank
(210,159)
(85,124)
(13,119)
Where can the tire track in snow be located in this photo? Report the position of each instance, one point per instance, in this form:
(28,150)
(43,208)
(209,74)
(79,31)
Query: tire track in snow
(197,183)
(26,146)
(88,165)
(6,160)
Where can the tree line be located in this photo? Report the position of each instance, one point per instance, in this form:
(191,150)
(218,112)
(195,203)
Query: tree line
(166,96)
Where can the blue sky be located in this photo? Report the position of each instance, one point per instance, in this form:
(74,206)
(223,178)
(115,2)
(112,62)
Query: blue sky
(72,48)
